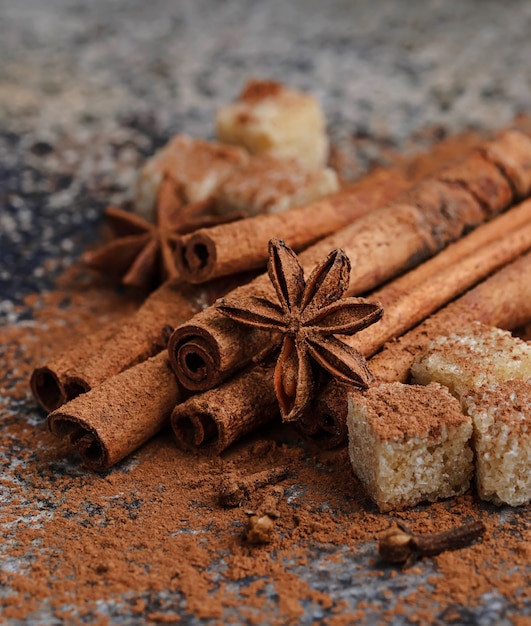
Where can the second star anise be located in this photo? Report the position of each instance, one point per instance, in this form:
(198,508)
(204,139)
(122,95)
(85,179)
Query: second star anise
(142,254)
(308,316)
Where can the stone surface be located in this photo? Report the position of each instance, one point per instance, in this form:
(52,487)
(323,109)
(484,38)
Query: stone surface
(89,89)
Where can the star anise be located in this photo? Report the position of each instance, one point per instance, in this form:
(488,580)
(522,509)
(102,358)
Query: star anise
(142,254)
(308,317)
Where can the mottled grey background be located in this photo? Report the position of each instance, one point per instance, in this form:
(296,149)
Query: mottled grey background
(89,88)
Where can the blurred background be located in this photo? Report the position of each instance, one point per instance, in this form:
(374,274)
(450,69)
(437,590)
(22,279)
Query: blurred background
(89,89)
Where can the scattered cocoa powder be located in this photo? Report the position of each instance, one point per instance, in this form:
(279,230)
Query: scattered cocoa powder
(150,539)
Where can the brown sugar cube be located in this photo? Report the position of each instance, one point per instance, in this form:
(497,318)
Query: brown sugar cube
(501,417)
(198,167)
(409,443)
(266,184)
(474,355)
(269,118)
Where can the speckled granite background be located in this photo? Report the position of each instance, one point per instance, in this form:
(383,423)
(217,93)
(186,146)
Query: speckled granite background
(89,89)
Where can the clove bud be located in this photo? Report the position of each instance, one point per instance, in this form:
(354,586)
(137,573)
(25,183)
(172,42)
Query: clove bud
(399,544)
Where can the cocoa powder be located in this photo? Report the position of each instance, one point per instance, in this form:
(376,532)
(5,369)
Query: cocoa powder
(150,539)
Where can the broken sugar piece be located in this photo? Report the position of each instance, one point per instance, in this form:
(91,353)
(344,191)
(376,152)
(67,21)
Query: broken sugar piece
(266,184)
(409,443)
(501,418)
(196,166)
(474,355)
(270,118)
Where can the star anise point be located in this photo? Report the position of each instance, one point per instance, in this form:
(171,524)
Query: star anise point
(142,254)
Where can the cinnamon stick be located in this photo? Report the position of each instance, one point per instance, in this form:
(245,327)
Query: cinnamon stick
(112,420)
(424,289)
(223,250)
(50,383)
(212,420)
(503,300)
(235,488)
(412,297)
(380,245)
(510,153)
(120,346)
(226,249)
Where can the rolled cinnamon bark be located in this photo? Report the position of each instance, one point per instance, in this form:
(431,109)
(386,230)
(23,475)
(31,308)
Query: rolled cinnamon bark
(323,423)
(120,346)
(380,245)
(517,217)
(220,251)
(51,385)
(211,421)
(510,153)
(111,421)
(412,297)
(229,248)
(503,300)
(248,400)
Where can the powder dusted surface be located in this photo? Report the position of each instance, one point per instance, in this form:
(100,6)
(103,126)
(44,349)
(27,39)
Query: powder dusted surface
(268,184)
(148,540)
(501,414)
(197,168)
(397,412)
(474,355)
(409,443)
(90,90)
